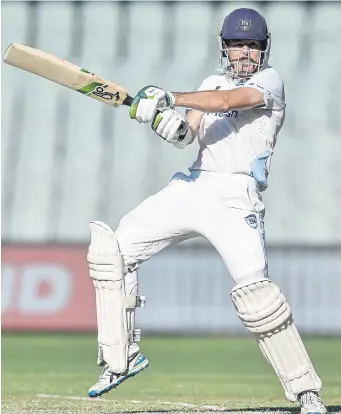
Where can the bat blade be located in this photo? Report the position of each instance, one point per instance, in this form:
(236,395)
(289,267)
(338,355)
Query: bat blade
(65,73)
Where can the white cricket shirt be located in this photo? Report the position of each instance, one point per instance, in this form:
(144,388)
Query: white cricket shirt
(242,141)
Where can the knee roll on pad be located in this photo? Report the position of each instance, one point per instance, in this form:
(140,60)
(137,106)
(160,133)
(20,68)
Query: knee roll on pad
(106,270)
(261,306)
(265,312)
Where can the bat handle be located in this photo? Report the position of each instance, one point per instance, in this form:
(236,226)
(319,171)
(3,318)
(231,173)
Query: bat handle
(128,100)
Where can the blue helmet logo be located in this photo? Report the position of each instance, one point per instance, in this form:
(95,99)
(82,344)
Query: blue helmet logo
(245,25)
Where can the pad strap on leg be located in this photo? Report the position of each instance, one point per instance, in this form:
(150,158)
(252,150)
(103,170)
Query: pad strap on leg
(265,312)
(106,270)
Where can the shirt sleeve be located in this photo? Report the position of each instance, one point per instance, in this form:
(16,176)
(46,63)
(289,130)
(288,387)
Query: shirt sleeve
(205,85)
(269,83)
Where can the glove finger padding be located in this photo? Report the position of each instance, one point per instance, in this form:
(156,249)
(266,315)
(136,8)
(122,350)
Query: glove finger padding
(161,120)
(146,110)
(170,125)
(143,110)
(171,131)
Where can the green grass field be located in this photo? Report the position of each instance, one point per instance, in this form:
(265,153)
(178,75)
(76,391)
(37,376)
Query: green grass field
(51,374)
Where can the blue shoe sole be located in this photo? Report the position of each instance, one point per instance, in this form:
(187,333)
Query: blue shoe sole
(94,394)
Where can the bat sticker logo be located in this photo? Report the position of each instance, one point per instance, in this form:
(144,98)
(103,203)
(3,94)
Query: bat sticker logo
(100,91)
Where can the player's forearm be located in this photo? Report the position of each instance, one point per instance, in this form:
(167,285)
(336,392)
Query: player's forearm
(206,101)
(194,119)
(219,101)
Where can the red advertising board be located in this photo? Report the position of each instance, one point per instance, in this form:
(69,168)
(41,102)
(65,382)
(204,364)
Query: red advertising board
(46,288)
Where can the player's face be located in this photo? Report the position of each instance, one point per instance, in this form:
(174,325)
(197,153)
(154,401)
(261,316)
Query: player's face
(244,55)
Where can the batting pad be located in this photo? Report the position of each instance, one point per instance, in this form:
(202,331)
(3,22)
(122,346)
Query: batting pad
(265,312)
(106,270)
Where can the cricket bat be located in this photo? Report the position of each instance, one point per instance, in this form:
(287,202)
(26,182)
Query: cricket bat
(67,74)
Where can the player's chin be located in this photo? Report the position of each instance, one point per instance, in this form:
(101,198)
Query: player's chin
(245,70)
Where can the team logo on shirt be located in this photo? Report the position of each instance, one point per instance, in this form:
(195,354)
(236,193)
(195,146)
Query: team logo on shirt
(244,25)
(240,82)
(251,220)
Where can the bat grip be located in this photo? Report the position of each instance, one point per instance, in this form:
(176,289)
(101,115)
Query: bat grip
(128,100)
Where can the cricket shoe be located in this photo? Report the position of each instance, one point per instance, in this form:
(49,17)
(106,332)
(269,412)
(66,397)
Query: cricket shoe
(311,403)
(108,379)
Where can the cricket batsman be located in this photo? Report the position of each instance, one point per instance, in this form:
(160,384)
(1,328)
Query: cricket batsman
(236,116)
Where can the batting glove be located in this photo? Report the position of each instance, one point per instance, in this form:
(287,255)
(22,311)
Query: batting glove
(148,101)
(172,127)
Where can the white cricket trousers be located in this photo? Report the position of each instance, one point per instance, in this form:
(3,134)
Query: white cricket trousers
(225,209)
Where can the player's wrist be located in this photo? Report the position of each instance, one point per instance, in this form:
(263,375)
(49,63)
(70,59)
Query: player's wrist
(170,99)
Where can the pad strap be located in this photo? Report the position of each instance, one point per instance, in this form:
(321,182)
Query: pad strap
(135,301)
